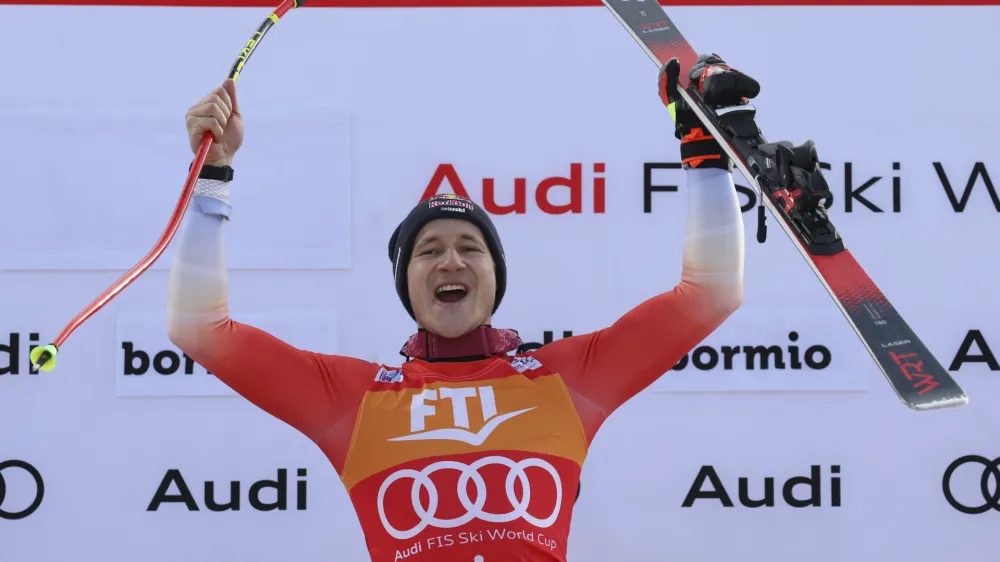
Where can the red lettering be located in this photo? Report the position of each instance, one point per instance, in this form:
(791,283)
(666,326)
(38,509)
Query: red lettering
(925,379)
(896,357)
(445,173)
(575,186)
(915,371)
(598,188)
(520,198)
(442,173)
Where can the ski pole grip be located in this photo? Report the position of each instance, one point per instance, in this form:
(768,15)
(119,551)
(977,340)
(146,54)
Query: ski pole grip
(761,229)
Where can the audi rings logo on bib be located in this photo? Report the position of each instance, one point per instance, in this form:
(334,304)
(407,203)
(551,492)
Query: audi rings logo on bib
(21,489)
(441,510)
(971,484)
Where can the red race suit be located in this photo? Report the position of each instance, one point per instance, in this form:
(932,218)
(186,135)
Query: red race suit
(466,461)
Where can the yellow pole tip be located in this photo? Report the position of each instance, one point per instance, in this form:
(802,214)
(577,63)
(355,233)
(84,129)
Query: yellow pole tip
(49,362)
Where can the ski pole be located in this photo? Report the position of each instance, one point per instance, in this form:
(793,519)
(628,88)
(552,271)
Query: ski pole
(44,357)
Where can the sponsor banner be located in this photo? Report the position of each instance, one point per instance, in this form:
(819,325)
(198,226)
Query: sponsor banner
(775,349)
(820,487)
(283,490)
(148,364)
(776,432)
(121,171)
(775,355)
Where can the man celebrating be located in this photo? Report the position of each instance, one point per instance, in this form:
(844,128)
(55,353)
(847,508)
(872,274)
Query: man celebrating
(469,450)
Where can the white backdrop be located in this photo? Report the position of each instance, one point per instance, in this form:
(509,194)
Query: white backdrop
(348,115)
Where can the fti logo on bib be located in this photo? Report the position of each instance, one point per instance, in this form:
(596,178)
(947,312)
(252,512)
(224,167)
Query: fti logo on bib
(420,409)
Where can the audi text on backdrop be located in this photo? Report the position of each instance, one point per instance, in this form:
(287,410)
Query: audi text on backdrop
(717,490)
(446,180)
(279,487)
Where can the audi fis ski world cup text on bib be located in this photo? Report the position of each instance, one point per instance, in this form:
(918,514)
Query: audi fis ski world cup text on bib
(461,469)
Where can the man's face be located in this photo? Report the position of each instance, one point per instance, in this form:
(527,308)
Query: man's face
(452,283)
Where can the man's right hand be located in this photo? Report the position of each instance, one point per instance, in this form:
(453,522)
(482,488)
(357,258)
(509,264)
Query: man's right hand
(719,86)
(217,113)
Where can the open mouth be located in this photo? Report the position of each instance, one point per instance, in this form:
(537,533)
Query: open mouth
(451,293)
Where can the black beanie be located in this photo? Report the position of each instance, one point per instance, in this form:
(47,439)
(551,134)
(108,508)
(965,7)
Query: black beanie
(445,206)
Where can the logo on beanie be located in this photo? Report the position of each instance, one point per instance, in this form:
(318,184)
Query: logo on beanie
(450,202)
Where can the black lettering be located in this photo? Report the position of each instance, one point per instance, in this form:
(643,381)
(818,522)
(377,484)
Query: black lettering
(757,357)
(958,205)
(813,481)
(699,363)
(300,486)
(793,350)
(897,203)
(728,353)
(188,365)
(768,499)
(548,336)
(751,351)
(824,357)
(13,351)
(183,496)
(718,490)
(985,356)
(850,194)
(234,497)
(166,362)
(835,486)
(131,354)
(32,337)
(647,182)
(280,488)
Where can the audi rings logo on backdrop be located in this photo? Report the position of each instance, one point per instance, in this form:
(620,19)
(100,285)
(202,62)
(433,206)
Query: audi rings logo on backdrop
(7,469)
(473,509)
(991,471)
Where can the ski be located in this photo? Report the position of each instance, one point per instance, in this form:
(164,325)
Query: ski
(920,381)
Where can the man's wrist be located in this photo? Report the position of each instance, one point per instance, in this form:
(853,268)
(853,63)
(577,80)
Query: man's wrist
(215,170)
(220,163)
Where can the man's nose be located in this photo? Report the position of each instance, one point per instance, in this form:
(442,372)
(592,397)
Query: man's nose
(451,260)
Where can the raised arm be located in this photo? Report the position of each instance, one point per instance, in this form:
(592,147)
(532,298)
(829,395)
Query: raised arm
(605,368)
(315,393)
